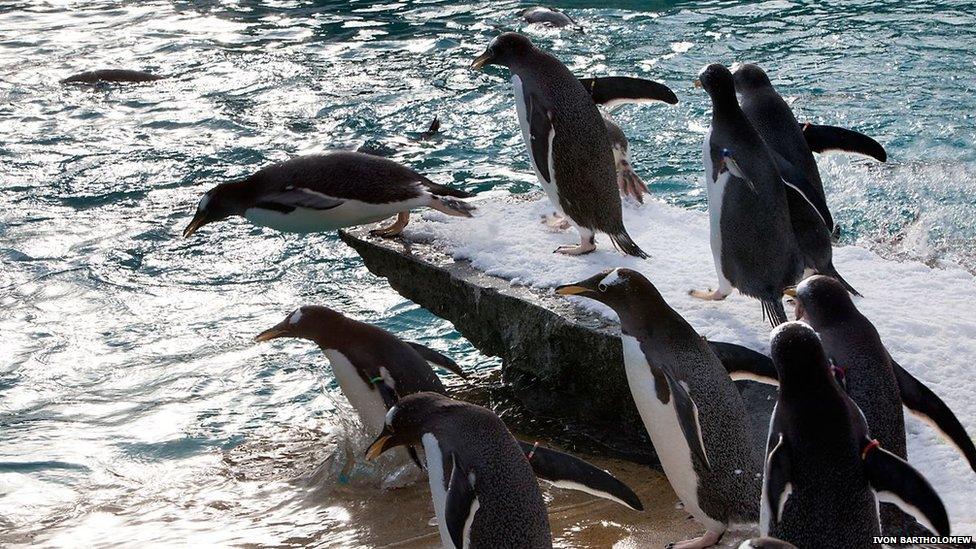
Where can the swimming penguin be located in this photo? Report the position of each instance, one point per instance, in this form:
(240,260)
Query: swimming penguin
(547,16)
(610,92)
(372,366)
(824,473)
(812,222)
(752,238)
(321,192)
(567,142)
(691,409)
(111,75)
(482,483)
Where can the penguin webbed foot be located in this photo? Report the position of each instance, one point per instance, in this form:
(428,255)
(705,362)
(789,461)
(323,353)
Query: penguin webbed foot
(708,295)
(395,229)
(582,248)
(556,222)
(707,539)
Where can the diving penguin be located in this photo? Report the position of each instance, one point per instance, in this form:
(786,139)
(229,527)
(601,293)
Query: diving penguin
(752,239)
(691,409)
(567,142)
(824,474)
(322,192)
(482,482)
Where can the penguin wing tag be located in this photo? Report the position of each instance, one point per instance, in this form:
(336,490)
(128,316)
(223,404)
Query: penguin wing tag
(776,482)
(540,128)
(297,197)
(437,359)
(611,91)
(462,503)
(743,363)
(831,138)
(687,412)
(566,471)
(924,403)
(795,180)
(895,481)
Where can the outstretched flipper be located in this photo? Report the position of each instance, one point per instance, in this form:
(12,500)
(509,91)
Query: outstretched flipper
(611,91)
(743,363)
(462,503)
(831,138)
(437,359)
(435,125)
(895,481)
(923,402)
(776,486)
(565,471)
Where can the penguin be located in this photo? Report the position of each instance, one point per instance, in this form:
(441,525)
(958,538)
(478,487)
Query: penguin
(766,543)
(813,224)
(567,142)
(482,483)
(321,192)
(610,92)
(111,75)
(752,238)
(547,16)
(693,413)
(824,473)
(431,131)
(372,366)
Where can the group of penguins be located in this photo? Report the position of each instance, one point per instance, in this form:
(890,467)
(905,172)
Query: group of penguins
(834,472)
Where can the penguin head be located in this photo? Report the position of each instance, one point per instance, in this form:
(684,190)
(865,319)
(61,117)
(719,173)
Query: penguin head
(627,292)
(313,322)
(821,300)
(506,49)
(409,419)
(215,205)
(798,354)
(717,81)
(750,77)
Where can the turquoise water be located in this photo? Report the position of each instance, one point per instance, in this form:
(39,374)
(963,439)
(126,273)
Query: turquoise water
(134,405)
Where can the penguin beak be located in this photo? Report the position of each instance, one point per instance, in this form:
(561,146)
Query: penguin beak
(698,83)
(279,330)
(482,60)
(384,442)
(572,289)
(199,220)
(790,292)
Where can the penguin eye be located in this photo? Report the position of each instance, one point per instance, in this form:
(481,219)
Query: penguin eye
(602,287)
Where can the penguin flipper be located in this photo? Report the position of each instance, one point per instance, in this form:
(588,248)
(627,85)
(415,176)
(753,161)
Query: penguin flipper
(611,91)
(566,471)
(796,181)
(298,197)
(831,138)
(776,482)
(895,481)
(744,363)
(462,502)
(923,402)
(437,359)
(687,412)
(540,130)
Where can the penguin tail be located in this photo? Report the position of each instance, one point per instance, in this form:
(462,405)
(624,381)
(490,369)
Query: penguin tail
(773,311)
(450,206)
(622,241)
(831,271)
(443,190)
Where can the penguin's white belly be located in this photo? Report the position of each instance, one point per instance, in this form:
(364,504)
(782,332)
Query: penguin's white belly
(438,487)
(347,214)
(522,109)
(661,422)
(367,402)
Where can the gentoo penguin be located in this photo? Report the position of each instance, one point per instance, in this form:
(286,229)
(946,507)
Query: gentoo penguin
(373,366)
(610,92)
(824,473)
(692,411)
(110,75)
(547,16)
(812,222)
(766,543)
(566,139)
(482,483)
(321,192)
(752,239)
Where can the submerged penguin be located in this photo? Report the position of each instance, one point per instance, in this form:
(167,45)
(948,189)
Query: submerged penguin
(610,92)
(567,142)
(752,238)
(111,75)
(322,192)
(824,473)
(481,481)
(547,16)
(692,411)
(813,224)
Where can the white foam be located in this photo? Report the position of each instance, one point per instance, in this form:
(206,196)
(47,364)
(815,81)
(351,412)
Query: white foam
(923,315)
